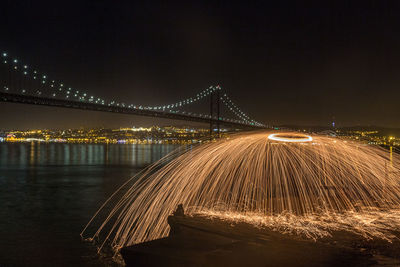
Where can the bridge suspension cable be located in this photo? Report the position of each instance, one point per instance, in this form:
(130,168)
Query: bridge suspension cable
(237,111)
(32,78)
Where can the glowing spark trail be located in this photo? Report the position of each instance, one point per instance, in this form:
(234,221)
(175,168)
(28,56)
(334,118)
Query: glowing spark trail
(290,138)
(310,187)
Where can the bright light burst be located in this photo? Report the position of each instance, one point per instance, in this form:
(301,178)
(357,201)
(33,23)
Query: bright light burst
(311,187)
(298,138)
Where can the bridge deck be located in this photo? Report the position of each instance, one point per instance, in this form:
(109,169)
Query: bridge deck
(53,102)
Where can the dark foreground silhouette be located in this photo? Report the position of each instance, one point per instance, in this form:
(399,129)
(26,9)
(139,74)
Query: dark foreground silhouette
(200,241)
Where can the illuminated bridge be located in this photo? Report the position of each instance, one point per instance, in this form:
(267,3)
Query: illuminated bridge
(26,85)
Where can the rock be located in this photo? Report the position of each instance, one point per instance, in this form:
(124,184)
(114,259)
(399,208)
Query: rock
(199,241)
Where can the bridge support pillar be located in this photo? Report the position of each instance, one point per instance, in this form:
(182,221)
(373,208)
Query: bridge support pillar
(215,114)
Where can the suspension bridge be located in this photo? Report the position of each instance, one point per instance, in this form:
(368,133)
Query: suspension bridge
(26,85)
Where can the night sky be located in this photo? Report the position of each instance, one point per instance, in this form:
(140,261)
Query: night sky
(282,62)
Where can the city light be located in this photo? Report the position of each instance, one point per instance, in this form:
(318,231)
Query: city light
(140,135)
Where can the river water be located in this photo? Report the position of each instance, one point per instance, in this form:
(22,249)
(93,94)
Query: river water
(48,192)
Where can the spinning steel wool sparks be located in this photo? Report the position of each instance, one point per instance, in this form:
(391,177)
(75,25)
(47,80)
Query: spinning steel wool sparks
(286,182)
(290,138)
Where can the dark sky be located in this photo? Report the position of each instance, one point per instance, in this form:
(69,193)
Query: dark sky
(282,62)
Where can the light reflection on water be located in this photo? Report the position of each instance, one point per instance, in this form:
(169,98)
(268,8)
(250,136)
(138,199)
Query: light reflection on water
(21,155)
(48,192)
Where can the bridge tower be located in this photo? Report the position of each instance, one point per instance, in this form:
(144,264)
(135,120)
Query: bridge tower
(19,83)
(215,114)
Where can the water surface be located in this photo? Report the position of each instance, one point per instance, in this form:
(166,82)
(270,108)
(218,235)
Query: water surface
(48,192)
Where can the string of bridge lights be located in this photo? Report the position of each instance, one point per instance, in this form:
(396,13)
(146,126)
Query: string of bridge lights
(225,100)
(43,80)
(188,101)
(235,110)
(61,90)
